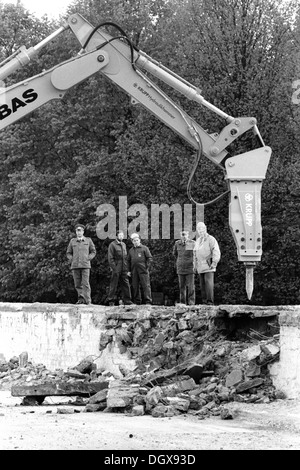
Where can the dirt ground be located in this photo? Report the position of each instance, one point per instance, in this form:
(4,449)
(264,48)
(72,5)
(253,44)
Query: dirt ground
(273,426)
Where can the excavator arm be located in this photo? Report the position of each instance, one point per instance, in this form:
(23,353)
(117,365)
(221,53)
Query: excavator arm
(119,60)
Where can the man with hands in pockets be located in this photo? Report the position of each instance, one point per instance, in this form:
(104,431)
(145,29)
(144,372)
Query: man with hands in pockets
(206,258)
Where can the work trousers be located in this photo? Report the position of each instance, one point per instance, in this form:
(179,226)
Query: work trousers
(207,287)
(81,278)
(119,278)
(141,281)
(186,289)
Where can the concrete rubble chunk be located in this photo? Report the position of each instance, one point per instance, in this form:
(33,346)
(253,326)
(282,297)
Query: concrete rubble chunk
(99,397)
(254,311)
(4,368)
(58,388)
(23,359)
(75,373)
(138,410)
(252,369)
(153,397)
(178,387)
(270,349)
(159,377)
(86,366)
(139,399)
(159,339)
(138,334)
(65,411)
(234,378)
(210,405)
(120,394)
(180,309)
(225,413)
(196,403)
(244,386)
(92,407)
(168,345)
(211,388)
(123,336)
(164,411)
(187,336)
(252,353)
(221,351)
(182,324)
(154,365)
(178,403)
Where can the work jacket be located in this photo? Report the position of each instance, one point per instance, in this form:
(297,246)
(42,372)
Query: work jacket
(80,253)
(206,255)
(117,256)
(139,259)
(183,254)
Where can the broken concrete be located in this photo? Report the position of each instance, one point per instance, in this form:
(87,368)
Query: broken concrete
(168,360)
(58,389)
(173,361)
(67,333)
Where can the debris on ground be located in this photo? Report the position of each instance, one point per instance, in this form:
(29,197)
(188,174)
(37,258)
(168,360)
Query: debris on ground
(186,363)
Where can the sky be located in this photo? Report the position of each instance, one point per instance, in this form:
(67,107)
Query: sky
(53,8)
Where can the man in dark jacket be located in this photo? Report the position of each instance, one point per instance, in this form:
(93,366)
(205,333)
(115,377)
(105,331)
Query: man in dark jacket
(81,250)
(183,254)
(139,262)
(117,260)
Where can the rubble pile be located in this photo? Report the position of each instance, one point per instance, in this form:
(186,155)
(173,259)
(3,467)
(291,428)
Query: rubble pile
(17,373)
(186,362)
(12,372)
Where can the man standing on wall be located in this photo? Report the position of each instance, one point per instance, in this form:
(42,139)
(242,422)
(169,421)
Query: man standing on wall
(117,260)
(139,262)
(183,254)
(206,257)
(81,250)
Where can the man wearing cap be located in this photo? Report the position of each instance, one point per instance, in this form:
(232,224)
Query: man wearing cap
(139,262)
(206,257)
(81,250)
(183,254)
(117,260)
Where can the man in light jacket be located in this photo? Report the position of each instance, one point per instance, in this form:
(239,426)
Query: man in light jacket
(206,257)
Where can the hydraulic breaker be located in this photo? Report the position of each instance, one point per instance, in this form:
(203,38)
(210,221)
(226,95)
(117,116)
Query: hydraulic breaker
(245,173)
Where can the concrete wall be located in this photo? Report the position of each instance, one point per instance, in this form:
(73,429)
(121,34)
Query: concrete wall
(58,336)
(286,373)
